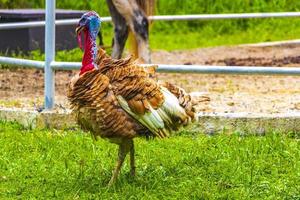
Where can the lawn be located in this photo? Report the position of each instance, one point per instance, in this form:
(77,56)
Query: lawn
(52,164)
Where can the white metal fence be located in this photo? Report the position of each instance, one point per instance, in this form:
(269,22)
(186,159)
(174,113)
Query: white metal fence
(50,65)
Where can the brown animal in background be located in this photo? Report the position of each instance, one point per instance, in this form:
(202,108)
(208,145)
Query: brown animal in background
(130,18)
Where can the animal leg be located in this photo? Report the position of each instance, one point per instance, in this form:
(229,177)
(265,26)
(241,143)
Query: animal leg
(132,160)
(121,35)
(120,28)
(141,31)
(124,148)
(127,13)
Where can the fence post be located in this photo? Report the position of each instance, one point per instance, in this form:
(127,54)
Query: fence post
(49,54)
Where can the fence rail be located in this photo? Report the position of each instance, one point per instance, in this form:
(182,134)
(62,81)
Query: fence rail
(22,62)
(200,69)
(49,65)
(62,22)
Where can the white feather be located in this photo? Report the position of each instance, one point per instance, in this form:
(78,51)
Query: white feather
(171,105)
(150,119)
(161,120)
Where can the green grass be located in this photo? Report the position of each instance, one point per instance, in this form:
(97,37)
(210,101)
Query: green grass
(210,34)
(52,164)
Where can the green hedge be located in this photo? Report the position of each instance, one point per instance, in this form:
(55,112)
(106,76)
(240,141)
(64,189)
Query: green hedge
(171,6)
(179,7)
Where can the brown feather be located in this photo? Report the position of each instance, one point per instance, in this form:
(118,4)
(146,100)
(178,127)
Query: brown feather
(93,97)
(137,106)
(97,108)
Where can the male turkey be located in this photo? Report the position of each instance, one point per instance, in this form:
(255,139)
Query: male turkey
(119,100)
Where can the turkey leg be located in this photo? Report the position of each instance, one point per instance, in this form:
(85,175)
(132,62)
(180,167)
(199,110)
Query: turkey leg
(124,148)
(132,161)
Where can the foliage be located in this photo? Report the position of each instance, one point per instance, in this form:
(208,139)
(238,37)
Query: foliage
(13,4)
(52,164)
(171,7)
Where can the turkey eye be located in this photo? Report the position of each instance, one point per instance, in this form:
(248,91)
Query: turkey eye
(82,21)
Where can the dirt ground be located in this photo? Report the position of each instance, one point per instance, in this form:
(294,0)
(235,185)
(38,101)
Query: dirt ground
(227,93)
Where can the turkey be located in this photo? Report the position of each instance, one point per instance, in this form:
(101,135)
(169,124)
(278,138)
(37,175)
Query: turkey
(119,100)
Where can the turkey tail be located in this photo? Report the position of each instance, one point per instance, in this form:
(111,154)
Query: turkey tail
(176,110)
(185,99)
(148,7)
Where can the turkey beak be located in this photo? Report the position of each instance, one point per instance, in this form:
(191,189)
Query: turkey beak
(78,29)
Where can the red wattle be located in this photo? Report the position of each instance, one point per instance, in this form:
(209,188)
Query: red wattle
(87,60)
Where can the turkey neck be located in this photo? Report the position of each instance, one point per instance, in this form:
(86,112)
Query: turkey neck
(90,52)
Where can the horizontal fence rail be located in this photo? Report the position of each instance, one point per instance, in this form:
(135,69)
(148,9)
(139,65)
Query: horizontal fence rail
(22,62)
(201,69)
(160,18)
(18,25)
(224,16)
